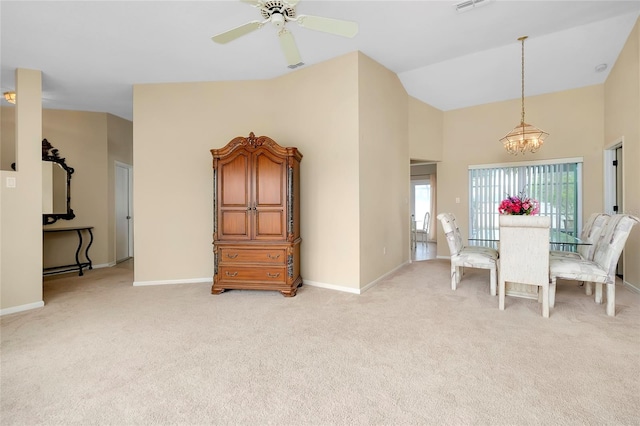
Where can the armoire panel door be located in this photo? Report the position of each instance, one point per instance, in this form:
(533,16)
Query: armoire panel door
(270,196)
(234,197)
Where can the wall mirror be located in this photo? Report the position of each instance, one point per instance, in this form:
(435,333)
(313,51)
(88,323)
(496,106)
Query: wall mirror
(56,186)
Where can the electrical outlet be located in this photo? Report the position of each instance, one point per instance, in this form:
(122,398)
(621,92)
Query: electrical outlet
(11,182)
(457,200)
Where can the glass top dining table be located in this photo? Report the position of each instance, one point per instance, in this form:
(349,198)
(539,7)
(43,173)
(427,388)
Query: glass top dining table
(557,238)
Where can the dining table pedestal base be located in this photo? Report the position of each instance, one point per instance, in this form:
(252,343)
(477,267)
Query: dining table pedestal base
(525,291)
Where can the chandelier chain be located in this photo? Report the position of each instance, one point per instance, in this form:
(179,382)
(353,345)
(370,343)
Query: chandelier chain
(522,119)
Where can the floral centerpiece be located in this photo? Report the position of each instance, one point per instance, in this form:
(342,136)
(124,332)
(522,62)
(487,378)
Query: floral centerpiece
(519,205)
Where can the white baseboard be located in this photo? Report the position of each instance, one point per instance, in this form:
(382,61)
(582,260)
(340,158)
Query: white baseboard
(331,286)
(443,257)
(103,265)
(631,287)
(21,308)
(351,289)
(380,278)
(184,281)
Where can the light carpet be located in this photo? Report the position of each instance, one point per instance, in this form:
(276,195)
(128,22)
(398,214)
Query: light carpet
(408,351)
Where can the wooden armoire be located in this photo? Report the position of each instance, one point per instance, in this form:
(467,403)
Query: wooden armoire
(256,216)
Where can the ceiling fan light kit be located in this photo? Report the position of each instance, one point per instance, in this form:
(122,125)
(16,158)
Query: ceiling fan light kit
(279,13)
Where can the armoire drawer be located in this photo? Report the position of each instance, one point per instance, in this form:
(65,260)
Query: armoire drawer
(275,256)
(247,273)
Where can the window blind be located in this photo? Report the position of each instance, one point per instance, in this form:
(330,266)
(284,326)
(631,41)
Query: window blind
(557,187)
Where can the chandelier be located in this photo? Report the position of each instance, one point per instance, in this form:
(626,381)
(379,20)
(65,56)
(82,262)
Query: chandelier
(524,137)
(10,97)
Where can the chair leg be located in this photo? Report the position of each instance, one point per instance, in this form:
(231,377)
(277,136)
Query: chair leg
(545,301)
(493,280)
(454,276)
(611,299)
(588,289)
(598,293)
(552,292)
(501,291)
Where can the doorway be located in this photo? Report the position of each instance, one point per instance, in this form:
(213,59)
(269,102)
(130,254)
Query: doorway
(420,201)
(423,197)
(124,207)
(614,186)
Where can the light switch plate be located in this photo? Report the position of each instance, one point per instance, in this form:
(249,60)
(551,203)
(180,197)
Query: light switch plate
(11,182)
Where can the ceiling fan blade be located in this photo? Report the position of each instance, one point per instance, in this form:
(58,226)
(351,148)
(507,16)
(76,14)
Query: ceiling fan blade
(253,2)
(329,25)
(292,3)
(234,33)
(289,48)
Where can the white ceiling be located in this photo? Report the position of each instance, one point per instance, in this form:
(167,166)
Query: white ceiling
(91,52)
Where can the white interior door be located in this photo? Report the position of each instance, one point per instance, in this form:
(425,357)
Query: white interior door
(620,207)
(124,221)
(613,185)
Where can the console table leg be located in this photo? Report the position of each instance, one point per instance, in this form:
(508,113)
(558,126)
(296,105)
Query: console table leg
(78,251)
(86,253)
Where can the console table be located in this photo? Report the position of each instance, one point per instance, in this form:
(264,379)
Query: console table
(79,265)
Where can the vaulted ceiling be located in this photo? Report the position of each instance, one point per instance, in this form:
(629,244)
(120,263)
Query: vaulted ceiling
(91,53)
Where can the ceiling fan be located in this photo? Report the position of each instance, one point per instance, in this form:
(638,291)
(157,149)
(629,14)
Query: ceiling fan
(279,12)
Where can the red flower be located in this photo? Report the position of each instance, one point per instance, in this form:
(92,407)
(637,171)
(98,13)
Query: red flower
(519,205)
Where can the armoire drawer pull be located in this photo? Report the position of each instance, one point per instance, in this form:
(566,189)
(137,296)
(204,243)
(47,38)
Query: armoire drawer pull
(270,275)
(232,256)
(229,274)
(271,256)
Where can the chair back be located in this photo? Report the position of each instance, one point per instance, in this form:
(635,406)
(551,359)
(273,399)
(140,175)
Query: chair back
(452,232)
(425,223)
(612,241)
(591,233)
(524,249)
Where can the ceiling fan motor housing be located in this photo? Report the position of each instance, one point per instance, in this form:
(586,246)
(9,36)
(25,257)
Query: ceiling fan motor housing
(278,7)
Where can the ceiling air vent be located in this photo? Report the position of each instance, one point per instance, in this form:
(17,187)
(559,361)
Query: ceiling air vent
(470,4)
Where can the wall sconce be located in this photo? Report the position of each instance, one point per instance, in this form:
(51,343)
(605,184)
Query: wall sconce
(10,97)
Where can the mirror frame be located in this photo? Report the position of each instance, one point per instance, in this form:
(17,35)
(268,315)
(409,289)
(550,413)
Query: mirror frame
(49,153)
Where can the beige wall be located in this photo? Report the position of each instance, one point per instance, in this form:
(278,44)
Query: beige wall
(323,121)
(622,120)
(384,171)
(425,131)
(573,118)
(21,207)
(81,138)
(176,126)
(7,137)
(90,142)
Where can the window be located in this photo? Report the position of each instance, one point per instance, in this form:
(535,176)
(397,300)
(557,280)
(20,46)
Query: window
(557,185)
(421,198)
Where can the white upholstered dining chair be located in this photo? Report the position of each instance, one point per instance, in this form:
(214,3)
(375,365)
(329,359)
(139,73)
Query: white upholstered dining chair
(424,232)
(524,255)
(602,269)
(467,256)
(590,234)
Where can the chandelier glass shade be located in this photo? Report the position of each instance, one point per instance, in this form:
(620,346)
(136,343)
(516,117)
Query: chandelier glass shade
(524,137)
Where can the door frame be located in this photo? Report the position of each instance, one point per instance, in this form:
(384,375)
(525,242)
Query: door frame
(610,174)
(129,168)
(610,182)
